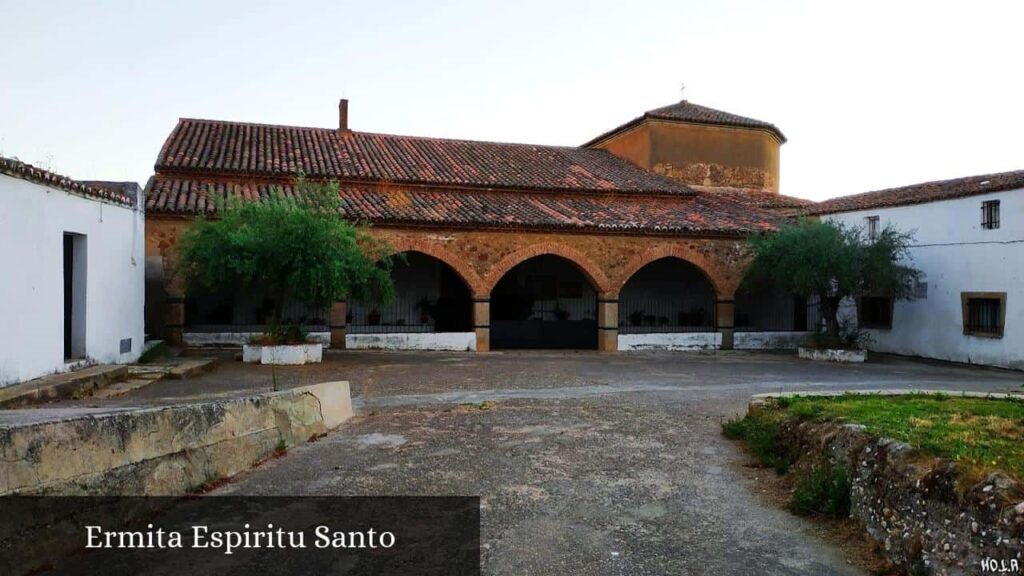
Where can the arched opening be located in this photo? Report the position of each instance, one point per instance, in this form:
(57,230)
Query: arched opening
(545,302)
(430,297)
(668,295)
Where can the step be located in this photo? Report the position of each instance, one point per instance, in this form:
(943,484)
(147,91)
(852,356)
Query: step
(76,384)
(156,371)
(192,367)
(121,388)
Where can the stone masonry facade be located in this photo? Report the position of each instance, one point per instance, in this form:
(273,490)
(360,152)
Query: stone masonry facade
(482,257)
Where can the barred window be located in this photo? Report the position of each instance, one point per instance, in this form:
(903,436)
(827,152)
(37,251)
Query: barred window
(984,313)
(872,222)
(990,214)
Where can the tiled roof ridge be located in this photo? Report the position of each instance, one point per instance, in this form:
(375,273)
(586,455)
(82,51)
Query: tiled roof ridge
(922,192)
(25,171)
(664,113)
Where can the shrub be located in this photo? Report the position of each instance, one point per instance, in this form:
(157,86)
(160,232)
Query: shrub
(822,489)
(292,246)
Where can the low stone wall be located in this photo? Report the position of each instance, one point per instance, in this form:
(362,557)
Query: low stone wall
(913,503)
(670,341)
(451,341)
(768,340)
(164,451)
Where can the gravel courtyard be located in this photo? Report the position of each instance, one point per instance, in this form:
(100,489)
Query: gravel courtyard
(586,463)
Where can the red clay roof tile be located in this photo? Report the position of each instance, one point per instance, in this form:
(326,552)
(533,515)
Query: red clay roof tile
(106,191)
(412,205)
(216,147)
(685,111)
(920,193)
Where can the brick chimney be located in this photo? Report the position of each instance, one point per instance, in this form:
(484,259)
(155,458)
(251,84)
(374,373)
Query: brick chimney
(343,115)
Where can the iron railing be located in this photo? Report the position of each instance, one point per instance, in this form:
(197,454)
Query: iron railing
(774,313)
(411,314)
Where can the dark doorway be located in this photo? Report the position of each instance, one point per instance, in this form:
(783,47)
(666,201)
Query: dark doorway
(545,302)
(69,306)
(74,268)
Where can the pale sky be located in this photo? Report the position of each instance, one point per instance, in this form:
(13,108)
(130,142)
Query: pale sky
(871,94)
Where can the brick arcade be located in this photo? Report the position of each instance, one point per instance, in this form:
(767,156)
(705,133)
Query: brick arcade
(516,245)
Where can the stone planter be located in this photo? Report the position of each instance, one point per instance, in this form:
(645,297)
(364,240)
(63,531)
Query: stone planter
(309,353)
(833,355)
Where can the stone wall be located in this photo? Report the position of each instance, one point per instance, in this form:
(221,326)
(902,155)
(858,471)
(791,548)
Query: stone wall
(914,504)
(163,451)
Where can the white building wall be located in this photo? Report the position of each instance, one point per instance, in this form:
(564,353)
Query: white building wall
(957,255)
(33,220)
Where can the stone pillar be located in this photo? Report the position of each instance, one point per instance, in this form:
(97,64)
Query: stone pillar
(339,324)
(482,323)
(725,310)
(608,324)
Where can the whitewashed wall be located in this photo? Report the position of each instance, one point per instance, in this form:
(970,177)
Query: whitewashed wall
(451,341)
(957,255)
(670,341)
(33,220)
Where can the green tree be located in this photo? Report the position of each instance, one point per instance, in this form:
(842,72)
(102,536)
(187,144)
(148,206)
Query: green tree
(290,245)
(830,261)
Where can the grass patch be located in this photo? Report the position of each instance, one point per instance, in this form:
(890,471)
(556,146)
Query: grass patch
(823,489)
(761,435)
(981,434)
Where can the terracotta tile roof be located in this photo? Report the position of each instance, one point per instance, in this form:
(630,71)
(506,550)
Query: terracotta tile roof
(920,193)
(216,147)
(758,198)
(18,169)
(414,205)
(685,111)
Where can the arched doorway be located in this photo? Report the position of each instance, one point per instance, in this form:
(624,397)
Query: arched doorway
(667,296)
(430,297)
(545,302)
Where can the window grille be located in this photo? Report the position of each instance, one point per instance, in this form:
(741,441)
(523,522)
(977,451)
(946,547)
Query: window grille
(990,214)
(872,227)
(983,315)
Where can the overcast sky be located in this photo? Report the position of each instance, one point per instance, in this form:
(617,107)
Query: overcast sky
(871,94)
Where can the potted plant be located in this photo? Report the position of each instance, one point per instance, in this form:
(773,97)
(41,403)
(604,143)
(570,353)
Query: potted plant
(832,263)
(290,247)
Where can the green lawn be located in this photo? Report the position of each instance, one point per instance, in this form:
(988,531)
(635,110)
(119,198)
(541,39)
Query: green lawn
(982,434)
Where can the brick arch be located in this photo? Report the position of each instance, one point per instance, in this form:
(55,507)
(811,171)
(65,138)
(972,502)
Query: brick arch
(722,287)
(461,267)
(590,270)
